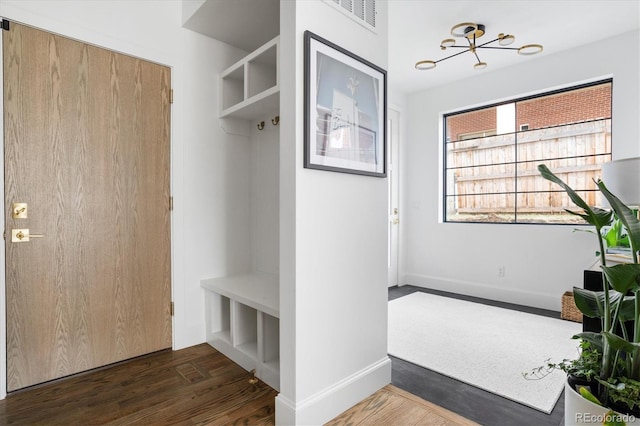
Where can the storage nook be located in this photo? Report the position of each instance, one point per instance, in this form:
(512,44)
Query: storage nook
(242,322)
(250,87)
(242,309)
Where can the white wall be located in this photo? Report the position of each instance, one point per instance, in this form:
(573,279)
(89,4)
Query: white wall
(265,195)
(209,221)
(333,272)
(333,311)
(540,261)
(216,209)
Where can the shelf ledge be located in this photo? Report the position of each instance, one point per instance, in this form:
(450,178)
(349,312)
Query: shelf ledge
(256,106)
(259,290)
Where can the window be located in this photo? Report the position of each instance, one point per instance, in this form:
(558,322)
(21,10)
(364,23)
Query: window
(490,167)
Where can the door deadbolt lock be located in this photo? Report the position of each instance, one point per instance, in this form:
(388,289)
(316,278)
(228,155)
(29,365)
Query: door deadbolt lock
(19,210)
(22,235)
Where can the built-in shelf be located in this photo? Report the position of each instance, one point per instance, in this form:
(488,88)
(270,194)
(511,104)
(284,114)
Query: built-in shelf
(242,311)
(259,290)
(242,321)
(250,87)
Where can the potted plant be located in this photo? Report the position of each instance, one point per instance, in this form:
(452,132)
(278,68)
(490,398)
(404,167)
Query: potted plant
(616,238)
(607,371)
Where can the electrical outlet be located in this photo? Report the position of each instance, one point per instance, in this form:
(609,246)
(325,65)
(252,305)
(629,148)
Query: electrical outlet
(501,271)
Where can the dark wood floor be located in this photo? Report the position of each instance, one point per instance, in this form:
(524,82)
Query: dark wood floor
(468,401)
(193,386)
(197,385)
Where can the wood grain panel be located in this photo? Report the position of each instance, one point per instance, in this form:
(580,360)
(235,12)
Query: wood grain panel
(393,406)
(87,147)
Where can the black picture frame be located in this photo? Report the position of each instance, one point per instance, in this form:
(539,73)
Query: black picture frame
(345,110)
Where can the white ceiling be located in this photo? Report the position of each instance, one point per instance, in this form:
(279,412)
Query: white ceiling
(246,24)
(416,28)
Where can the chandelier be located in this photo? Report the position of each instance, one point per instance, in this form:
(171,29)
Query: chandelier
(472,32)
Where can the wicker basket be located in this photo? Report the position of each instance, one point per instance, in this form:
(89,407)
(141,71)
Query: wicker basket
(569,309)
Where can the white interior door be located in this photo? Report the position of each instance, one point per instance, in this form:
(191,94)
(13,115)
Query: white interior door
(393,205)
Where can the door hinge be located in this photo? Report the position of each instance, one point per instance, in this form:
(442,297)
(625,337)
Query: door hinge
(171,308)
(170,204)
(5,25)
(171,96)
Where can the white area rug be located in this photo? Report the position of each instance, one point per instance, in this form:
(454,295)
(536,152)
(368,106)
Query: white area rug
(482,345)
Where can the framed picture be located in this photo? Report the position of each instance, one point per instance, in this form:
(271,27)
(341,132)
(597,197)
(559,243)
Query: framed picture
(345,110)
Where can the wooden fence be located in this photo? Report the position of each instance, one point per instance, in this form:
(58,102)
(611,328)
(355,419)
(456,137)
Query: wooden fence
(497,173)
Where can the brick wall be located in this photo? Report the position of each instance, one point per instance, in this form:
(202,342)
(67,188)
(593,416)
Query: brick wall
(472,122)
(586,104)
(589,103)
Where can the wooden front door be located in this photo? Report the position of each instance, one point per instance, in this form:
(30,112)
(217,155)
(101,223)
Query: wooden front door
(86,137)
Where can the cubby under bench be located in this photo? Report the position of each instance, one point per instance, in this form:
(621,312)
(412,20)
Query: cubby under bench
(242,321)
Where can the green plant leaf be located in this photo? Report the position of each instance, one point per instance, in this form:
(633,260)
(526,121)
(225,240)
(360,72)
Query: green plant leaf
(620,344)
(615,236)
(588,395)
(626,216)
(592,303)
(613,419)
(624,241)
(628,309)
(611,237)
(592,215)
(595,339)
(623,277)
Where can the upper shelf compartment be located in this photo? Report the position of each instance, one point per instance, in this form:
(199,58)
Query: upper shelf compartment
(251,86)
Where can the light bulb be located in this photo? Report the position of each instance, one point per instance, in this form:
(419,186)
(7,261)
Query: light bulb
(530,49)
(506,40)
(425,65)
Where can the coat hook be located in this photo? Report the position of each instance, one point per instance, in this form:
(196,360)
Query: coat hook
(275,120)
(261,125)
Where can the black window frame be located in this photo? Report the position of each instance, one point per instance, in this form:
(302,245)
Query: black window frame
(515,100)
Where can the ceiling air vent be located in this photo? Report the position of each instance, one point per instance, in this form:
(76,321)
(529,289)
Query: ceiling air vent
(363,11)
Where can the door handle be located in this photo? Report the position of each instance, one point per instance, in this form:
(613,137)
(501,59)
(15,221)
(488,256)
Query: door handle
(23,235)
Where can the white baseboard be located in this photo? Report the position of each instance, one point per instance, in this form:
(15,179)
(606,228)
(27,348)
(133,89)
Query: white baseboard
(332,401)
(187,336)
(486,291)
